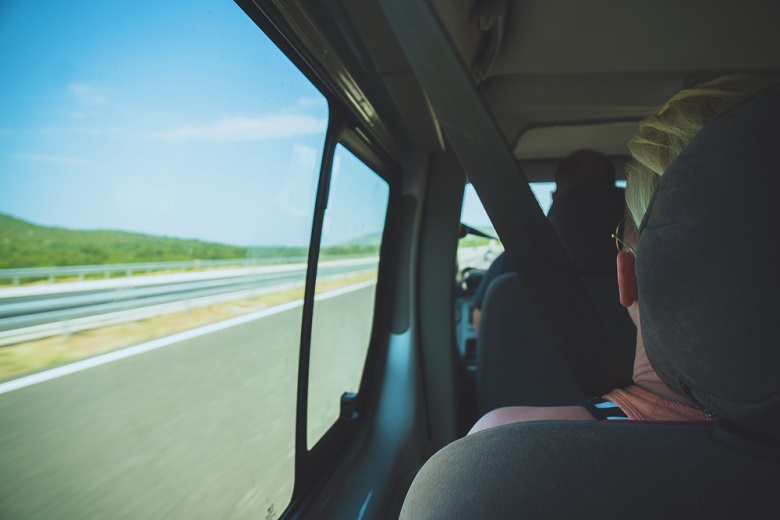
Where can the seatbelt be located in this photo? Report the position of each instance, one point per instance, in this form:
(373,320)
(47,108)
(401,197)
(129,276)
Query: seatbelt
(538,257)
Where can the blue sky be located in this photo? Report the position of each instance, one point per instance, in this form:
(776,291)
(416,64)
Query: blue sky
(145,116)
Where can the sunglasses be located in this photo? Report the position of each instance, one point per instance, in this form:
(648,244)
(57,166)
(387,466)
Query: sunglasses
(619,244)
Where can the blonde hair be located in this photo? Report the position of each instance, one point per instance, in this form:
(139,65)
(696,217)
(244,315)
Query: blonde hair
(664,135)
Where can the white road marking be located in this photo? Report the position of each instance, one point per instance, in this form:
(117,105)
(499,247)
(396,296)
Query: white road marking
(116,355)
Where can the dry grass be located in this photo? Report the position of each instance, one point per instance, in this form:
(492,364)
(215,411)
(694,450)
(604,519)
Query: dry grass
(36,355)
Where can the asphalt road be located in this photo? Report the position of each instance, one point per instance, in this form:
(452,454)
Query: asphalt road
(198,429)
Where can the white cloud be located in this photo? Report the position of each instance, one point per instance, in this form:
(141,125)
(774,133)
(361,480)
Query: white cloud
(237,129)
(86,94)
(53,159)
(308,103)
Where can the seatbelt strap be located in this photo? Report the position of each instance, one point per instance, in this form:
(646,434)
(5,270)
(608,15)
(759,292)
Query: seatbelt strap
(538,257)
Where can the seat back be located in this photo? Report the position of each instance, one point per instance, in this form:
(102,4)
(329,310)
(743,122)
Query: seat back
(517,363)
(576,469)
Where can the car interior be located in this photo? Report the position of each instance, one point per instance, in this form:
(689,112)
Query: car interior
(439,97)
(496,93)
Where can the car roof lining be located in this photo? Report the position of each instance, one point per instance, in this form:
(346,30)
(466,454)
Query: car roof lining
(546,63)
(635,58)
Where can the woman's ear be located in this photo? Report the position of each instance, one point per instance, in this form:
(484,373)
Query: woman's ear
(626,278)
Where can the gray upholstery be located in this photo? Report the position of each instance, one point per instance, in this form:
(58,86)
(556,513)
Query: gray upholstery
(584,470)
(516,360)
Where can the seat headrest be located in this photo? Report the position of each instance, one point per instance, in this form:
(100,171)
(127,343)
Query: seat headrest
(583,218)
(708,267)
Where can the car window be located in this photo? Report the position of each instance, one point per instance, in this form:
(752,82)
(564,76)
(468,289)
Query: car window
(345,288)
(159,168)
(476,251)
(543,192)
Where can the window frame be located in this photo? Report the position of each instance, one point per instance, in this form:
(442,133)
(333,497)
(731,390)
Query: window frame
(344,127)
(311,465)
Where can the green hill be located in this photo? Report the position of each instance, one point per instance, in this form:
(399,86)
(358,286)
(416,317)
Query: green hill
(365,245)
(23,244)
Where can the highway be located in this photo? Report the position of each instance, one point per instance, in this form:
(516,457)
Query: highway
(198,429)
(197,425)
(25,307)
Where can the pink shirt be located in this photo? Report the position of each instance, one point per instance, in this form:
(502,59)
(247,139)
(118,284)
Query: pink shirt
(641,405)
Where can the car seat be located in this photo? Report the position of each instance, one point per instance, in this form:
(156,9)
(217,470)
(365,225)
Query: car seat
(583,470)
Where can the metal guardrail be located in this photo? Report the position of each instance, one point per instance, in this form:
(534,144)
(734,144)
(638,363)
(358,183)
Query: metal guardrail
(17,274)
(67,326)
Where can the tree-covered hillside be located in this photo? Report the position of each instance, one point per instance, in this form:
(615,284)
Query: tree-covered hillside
(23,244)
